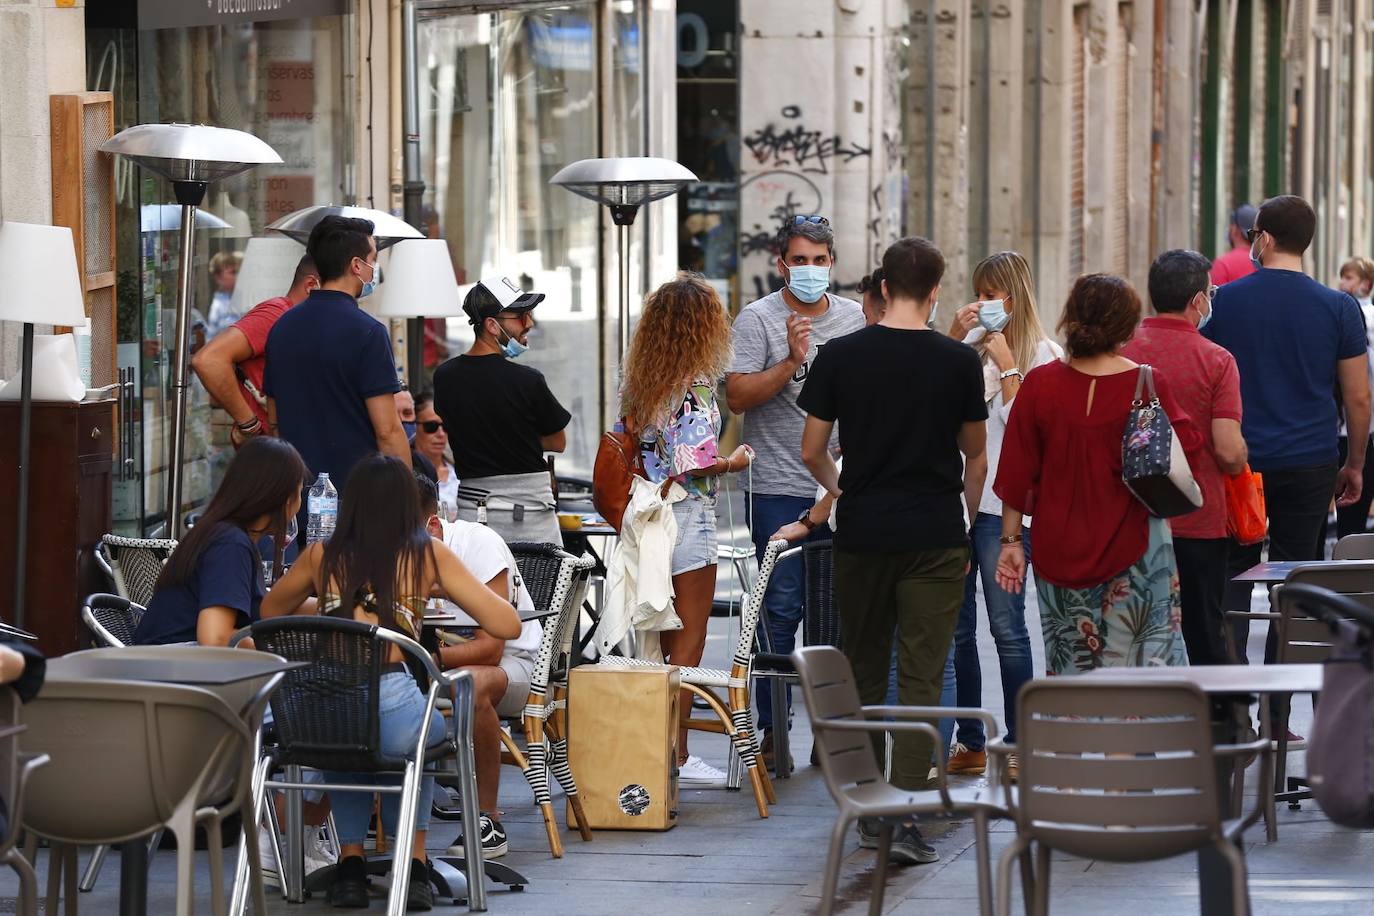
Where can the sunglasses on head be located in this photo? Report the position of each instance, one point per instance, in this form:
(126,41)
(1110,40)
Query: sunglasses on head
(430,426)
(818,220)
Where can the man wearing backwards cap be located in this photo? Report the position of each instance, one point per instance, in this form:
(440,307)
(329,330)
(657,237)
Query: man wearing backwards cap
(501,418)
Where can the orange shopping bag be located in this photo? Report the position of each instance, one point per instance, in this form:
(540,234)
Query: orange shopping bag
(1245,515)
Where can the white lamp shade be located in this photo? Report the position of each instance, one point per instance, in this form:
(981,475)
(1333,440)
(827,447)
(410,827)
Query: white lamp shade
(269,266)
(418,281)
(41,283)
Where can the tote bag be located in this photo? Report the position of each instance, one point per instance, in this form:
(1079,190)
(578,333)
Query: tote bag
(1153,465)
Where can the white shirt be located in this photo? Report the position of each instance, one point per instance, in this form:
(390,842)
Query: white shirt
(448,489)
(486,556)
(999,412)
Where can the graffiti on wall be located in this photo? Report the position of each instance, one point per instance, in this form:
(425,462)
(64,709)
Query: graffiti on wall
(797,146)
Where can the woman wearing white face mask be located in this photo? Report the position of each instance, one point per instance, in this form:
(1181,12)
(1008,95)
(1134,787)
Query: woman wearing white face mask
(1005,329)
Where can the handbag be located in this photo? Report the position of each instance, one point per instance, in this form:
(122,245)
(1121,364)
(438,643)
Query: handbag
(1246,518)
(1153,465)
(618,462)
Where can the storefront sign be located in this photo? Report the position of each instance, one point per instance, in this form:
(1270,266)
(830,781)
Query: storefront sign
(173,14)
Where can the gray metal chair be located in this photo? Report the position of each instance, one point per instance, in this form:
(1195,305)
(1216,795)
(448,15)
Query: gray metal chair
(842,730)
(15,770)
(1354,547)
(133,564)
(1123,771)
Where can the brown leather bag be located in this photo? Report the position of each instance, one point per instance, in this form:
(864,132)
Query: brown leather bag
(618,462)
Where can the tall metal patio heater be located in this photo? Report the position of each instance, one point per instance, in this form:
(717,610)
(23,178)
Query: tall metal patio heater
(190,156)
(624,184)
(386,229)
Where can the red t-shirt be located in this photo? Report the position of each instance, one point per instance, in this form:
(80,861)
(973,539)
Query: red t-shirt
(1061,463)
(256,325)
(1233,265)
(1205,380)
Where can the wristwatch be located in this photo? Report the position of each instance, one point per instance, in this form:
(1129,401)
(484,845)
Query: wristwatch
(1007,540)
(1009,373)
(805,519)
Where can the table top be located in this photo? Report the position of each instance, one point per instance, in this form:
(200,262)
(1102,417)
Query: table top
(187,670)
(459,618)
(1226,678)
(1278,571)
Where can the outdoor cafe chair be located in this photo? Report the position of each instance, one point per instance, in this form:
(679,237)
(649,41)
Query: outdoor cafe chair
(326,716)
(111,619)
(171,756)
(133,564)
(15,769)
(1354,547)
(842,730)
(1123,771)
(735,718)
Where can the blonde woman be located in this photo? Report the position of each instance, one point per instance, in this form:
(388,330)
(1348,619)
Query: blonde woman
(676,360)
(1005,329)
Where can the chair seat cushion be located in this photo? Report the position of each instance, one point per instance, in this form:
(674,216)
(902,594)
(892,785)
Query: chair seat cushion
(701,677)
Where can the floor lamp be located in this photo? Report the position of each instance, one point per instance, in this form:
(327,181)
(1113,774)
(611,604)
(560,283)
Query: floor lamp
(419,283)
(191,157)
(44,288)
(624,185)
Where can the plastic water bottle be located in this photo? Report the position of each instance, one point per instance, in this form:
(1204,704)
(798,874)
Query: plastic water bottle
(322,506)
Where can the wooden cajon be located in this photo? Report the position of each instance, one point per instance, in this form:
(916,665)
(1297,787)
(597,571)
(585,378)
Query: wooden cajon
(622,745)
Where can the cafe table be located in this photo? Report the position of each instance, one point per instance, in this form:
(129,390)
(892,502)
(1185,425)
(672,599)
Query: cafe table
(1276,572)
(185,665)
(1214,873)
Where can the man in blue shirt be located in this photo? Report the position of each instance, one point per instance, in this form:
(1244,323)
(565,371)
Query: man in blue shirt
(330,378)
(1295,342)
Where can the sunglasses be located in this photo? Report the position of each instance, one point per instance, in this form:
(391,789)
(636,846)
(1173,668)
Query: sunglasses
(818,220)
(1212,292)
(430,426)
(1253,234)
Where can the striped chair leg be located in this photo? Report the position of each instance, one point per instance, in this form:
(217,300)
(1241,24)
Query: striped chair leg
(537,747)
(748,753)
(558,760)
(744,726)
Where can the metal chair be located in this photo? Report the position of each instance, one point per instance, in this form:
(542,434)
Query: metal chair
(133,564)
(734,714)
(1354,547)
(842,729)
(557,582)
(111,619)
(326,716)
(15,769)
(181,752)
(1123,772)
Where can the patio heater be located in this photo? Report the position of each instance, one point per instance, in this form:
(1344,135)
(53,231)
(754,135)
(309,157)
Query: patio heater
(623,184)
(386,229)
(191,157)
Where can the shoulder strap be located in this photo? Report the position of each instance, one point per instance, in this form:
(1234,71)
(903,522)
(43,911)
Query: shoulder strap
(1144,381)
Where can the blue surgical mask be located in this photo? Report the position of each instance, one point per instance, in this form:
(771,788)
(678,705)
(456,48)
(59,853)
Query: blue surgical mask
(992,315)
(1211,310)
(935,307)
(409,427)
(807,282)
(1253,258)
(512,348)
(370,286)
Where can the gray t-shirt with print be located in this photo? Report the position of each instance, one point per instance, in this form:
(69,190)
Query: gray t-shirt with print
(774,428)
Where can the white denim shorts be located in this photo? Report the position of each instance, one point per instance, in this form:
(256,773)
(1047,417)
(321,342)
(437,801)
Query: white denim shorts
(696,534)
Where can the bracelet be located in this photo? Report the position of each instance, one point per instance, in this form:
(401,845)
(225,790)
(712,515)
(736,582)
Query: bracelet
(1008,540)
(1009,373)
(249,426)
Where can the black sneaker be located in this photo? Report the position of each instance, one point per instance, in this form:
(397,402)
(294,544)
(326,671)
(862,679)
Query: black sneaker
(494,844)
(420,893)
(910,848)
(868,833)
(349,889)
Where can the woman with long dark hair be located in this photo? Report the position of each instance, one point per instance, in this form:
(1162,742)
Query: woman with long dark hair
(213,584)
(379,567)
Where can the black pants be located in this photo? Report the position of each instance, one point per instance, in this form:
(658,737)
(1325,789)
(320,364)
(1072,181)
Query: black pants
(1202,586)
(1296,502)
(1354,519)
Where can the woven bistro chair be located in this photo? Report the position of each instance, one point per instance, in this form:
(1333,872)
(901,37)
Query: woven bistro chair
(133,564)
(1121,771)
(111,619)
(734,712)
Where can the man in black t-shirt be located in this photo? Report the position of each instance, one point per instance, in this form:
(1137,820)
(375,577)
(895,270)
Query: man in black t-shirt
(909,401)
(501,418)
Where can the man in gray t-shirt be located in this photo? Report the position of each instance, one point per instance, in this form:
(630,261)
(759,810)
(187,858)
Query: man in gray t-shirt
(775,341)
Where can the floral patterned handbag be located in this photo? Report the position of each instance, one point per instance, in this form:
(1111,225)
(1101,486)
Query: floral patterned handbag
(1153,465)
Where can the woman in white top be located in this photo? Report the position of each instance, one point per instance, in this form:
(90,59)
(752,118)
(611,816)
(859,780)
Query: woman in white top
(1005,329)
(432,441)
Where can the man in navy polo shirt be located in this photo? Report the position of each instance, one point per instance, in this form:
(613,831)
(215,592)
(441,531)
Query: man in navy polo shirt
(1295,342)
(330,378)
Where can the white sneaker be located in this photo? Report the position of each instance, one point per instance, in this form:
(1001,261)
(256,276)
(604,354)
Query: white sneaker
(699,774)
(267,863)
(319,853)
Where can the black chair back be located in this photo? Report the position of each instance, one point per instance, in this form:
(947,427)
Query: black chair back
(111,619)
(821,623)
(540,566)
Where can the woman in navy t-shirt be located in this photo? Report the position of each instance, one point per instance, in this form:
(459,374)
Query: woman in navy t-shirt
(213,583)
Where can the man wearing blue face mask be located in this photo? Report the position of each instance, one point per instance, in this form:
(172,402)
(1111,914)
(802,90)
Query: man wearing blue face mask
(775,341)
(501,418)
(330,378)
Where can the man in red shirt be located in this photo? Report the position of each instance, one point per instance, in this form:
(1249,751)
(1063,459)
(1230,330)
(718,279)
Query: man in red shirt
(1236,263)
(1206,384)
(230,366)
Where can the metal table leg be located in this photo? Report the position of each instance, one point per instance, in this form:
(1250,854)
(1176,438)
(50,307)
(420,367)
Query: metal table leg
(293,877)
(133,878)
(1215,892)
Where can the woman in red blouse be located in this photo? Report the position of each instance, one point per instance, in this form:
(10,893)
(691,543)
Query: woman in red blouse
(1104,567)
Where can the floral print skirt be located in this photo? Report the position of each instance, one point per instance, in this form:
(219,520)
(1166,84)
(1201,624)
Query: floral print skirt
(1131,620)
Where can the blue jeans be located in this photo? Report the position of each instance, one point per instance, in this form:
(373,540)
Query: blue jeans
(784,601)
(1006,619)
(402,704)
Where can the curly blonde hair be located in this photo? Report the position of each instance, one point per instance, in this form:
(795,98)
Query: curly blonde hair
(683,335)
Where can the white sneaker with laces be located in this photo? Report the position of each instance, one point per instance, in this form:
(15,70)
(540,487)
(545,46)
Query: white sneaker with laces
(319,853)
(697,773)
